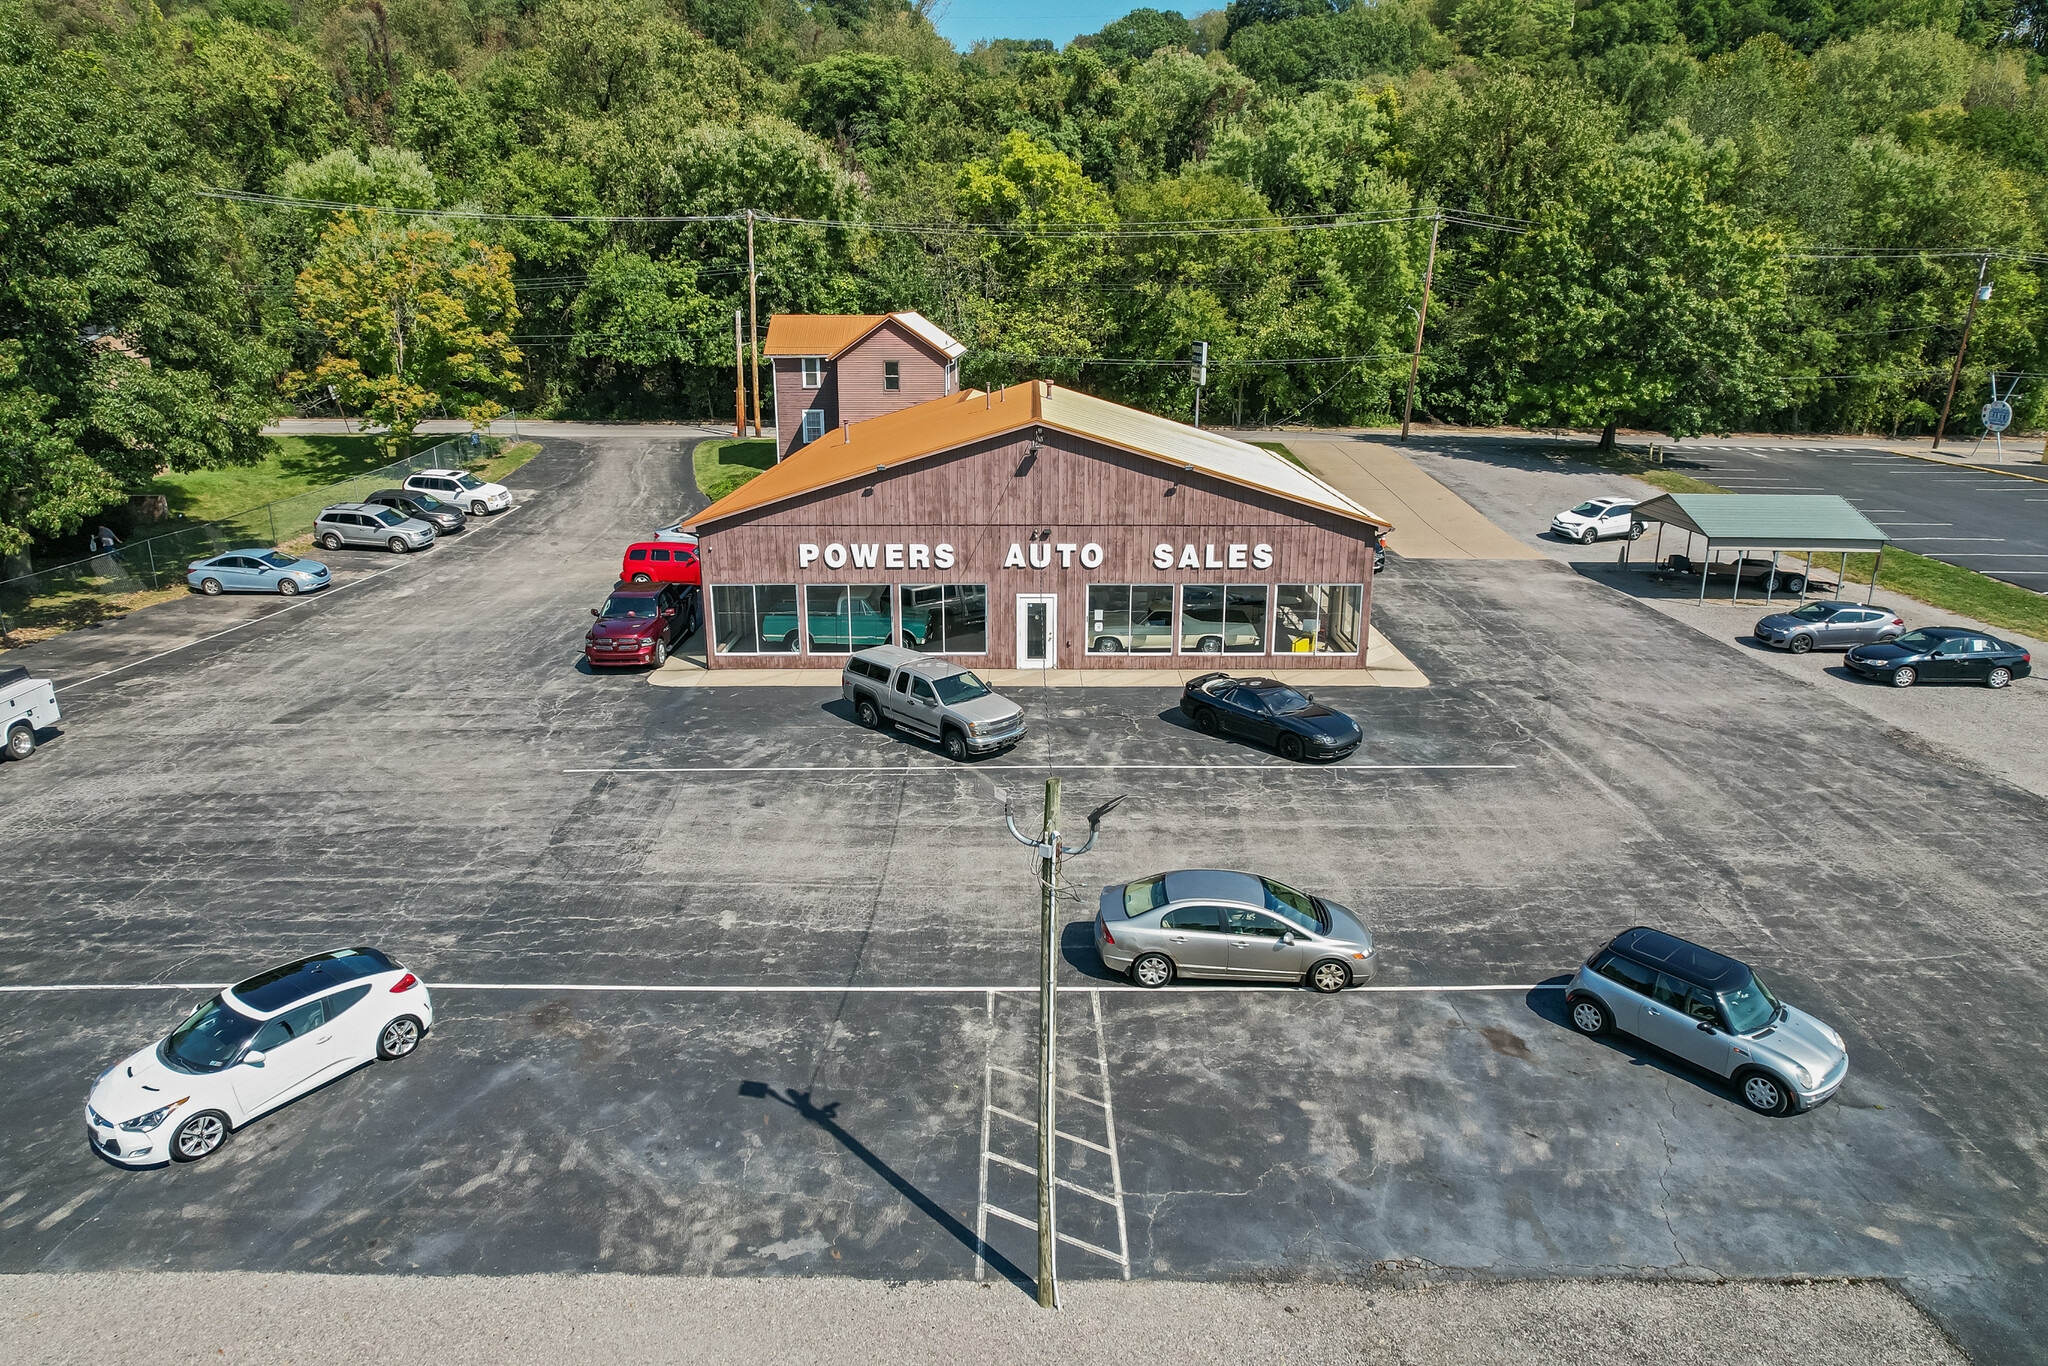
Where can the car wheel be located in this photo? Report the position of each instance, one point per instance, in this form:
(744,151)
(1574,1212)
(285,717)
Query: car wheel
(1796,584)
(1886,640)
(399,1038)
(1586,537)
(330,542)
(397,544)
(1208,722)
(210,587)
(1801,644)
(909,641)
(199,1136)
(1290,748)
(1636,530)
(1998,677)
(660,655)
(288,588)
(955,745)
(1329,975)
(1152,971)
(1903,676)
(643,577)
(1209,645)
(1764,1093)
(477,509)
(21,741)
(789,642)
(1589,1017)
(867,714)
(1107,645)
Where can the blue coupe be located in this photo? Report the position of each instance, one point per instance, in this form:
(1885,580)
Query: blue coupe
(257,571)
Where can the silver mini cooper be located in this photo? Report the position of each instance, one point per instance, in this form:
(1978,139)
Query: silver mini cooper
(1713,1012)
(1230,925)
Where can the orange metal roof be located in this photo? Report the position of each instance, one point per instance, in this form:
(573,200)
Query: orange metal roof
(946,424)
(831,334)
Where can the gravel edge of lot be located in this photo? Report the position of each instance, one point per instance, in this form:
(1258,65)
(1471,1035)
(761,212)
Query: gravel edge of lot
(117,1317)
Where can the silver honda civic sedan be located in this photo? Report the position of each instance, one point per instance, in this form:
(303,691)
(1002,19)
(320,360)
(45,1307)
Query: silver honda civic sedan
(1205,923)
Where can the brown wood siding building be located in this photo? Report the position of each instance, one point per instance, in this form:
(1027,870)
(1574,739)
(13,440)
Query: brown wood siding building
(1073,500)
(853,386)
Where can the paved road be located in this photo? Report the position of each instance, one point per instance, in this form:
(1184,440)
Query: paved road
(420,762)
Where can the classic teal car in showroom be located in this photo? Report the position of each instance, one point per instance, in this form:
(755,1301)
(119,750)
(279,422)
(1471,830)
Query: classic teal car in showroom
(847,625)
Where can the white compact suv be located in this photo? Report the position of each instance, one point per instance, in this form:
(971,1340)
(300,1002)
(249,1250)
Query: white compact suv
(252,1048)
(463,489)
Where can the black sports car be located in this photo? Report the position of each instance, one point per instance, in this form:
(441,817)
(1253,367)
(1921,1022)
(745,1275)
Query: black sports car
(1942,654)
(1270,712)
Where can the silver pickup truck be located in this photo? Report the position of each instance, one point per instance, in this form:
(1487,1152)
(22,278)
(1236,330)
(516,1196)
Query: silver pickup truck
(931,697)
(26,706)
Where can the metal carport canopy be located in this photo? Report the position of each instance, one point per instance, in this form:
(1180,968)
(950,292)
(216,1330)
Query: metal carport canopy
(1767,521)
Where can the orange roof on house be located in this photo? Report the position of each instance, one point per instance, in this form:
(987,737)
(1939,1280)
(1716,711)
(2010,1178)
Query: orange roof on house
(831,335)
(960,419)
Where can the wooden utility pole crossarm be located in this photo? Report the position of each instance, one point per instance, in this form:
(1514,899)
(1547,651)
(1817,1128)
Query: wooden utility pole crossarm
(754,321)
(1421,321)
(1955,374)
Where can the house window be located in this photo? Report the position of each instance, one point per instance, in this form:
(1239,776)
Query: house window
(1130,618)
(952,375)
(892,375)
(814,371)
(754,619)
(1220,619)
(1318,618)
(842,618)
(945,618)
(814,424)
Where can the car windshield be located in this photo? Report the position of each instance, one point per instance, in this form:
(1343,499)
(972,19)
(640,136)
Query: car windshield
(960,687)
(1589,509)
(1144,894)
(388,517)
(637,606)
(426,500)
(211,1039)
(468,481)
(1917,640)
(1814,611)
(1285,701)
(1299,907)
(1750,1008)
(278,559)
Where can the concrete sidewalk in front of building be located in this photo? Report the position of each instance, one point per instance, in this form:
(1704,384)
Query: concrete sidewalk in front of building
(1430,522)
(1385,667)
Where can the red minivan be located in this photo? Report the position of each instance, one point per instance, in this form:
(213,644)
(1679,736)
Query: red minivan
(660,562)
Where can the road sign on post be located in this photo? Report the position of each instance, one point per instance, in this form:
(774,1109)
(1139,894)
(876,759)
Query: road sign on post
(1997,415)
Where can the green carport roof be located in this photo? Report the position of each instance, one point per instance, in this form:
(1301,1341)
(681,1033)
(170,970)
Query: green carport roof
(1767,521)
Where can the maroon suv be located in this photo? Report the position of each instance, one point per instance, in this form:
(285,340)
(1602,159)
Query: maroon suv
(641,624)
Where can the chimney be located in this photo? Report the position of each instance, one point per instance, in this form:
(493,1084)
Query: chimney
(846,433)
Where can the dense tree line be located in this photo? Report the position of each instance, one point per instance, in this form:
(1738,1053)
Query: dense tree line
(1689,214)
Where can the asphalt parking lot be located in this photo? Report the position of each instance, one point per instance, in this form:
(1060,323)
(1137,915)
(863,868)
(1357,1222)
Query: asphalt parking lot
(837,920)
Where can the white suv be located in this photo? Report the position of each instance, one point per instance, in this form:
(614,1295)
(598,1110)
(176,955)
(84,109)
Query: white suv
(463,489)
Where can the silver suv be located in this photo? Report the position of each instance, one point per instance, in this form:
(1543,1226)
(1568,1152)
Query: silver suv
(371,524)
(930,697)
(1712,1012)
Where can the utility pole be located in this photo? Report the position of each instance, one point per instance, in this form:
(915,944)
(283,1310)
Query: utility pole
(1981,293)
(1201,377)
(1049,854)
(1421,318)
(739,378)
(753,322)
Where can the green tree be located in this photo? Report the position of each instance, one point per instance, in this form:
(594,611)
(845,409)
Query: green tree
(412,320)
(1642,300)
(1143,32)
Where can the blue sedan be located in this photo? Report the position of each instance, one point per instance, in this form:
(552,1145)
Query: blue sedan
(257,571)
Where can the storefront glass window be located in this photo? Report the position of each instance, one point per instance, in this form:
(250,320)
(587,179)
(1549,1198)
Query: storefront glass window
(842,618)
(1318,618)
(754,619)
(1215,618)
(1130,618)
(945,618)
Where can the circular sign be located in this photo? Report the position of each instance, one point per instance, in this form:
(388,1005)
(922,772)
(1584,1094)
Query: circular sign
(1997,415)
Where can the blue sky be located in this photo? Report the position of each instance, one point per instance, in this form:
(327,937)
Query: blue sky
(963,21)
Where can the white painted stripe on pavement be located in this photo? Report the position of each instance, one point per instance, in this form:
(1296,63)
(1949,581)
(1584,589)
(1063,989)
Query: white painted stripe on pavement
(786,989)
(1085,768)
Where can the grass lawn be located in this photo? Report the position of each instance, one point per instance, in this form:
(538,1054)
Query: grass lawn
(295,464)
(1638,465)
(494,469)
(724,463)
(1281,451)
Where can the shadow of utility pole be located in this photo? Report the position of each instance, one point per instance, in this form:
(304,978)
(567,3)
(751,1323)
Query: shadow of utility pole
(824,1117)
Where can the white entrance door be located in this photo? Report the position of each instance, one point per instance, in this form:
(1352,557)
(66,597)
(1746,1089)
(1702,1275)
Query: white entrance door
(1037,630)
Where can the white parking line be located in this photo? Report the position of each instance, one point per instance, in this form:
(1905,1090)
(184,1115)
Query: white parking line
(784,989)
(1040,768)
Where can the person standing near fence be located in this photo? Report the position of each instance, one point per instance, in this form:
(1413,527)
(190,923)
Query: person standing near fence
(107,539)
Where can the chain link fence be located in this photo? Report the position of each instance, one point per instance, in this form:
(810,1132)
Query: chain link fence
(103,586)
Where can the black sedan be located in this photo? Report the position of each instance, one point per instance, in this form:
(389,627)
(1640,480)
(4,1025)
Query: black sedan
(1942,654)
(1271,713)
(445,518)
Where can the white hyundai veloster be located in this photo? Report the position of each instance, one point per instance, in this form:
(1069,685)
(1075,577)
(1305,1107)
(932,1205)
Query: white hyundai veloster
(254,1047)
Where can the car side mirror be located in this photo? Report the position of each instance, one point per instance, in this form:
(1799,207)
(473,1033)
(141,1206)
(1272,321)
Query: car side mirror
(254,1057)
(1707,1027)
(1288,940)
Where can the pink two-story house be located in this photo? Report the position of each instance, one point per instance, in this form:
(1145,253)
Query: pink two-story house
(836,368)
